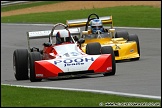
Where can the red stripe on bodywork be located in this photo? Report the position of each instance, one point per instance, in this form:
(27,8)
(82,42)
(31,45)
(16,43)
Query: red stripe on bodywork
(101,63)
(47,69)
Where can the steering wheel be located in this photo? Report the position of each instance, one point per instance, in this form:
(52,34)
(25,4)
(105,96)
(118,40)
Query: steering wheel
(58,24)
(89,19)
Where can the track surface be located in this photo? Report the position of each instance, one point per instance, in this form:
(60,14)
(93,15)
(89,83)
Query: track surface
(138,77)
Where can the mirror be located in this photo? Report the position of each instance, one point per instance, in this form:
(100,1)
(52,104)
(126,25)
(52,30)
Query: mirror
(81,40)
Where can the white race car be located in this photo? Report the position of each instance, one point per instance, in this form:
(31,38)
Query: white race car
(61,57)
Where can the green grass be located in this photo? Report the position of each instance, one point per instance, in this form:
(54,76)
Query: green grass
(26,5)
(128,16)
(30,97)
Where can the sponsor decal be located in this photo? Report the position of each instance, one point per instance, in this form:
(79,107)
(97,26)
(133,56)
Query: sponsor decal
(73,62)
(109,68)
(39,75)
(132,50)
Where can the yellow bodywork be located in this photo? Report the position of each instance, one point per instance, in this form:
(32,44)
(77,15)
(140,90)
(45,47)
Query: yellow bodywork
(123,50)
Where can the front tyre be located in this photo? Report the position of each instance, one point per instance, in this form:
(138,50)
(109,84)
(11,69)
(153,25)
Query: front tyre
(20,64)
(109,50)
(93,48)
(122,34)
(34,56)
(134,37)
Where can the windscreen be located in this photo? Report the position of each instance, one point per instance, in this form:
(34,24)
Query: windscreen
(68,50)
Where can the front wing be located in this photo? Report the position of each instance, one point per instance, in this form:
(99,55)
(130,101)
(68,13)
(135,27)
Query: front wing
(71,66)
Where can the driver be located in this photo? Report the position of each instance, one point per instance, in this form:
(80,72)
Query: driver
(63,37)
(96,25)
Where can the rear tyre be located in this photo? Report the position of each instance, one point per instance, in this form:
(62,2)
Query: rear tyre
(20,64)
(93,48)
(34,56)
(109,50)
(122,34)
(134,37)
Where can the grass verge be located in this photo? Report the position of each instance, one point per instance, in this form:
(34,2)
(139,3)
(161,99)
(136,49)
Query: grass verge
(128,16)
(12,96)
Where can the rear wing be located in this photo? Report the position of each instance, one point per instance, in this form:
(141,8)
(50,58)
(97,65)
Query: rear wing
(82,22)
(46,33)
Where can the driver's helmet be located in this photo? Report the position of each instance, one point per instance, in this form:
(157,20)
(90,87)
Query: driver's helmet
(63,36)
(96,24)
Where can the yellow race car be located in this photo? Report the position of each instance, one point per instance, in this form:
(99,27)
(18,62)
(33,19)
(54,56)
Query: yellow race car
(126,46)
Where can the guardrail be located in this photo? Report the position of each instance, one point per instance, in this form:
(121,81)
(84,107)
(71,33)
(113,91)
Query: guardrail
(4,3)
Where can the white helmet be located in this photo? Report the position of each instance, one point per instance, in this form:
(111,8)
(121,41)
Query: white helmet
(63,36)
(96,24)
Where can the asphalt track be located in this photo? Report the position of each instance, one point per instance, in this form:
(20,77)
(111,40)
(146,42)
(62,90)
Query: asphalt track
(138,77)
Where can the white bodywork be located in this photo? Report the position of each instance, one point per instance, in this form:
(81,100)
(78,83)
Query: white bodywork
(71,64)
(68,50)
(46,33)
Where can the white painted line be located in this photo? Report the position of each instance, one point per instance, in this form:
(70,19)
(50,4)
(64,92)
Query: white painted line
(139,28)
(27,24)
(89,90)
(53,24)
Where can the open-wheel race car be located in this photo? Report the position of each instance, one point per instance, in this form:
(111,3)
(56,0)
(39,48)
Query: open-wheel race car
(125,46)
(61,56)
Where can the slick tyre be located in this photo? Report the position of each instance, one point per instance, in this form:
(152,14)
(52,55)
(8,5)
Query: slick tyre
(93,48)
(109,50)
(122,34)
(20,64)
(33,56)
(134,37)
